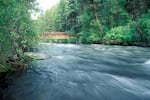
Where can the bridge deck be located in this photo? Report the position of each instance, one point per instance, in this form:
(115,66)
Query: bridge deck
(55,35)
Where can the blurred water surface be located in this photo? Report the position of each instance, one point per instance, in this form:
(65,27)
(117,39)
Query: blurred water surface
(85,72)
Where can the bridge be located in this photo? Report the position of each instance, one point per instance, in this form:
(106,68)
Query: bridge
(55,36)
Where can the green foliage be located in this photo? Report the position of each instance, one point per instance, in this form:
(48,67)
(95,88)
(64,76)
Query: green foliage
(120,35)
(17,30)
(93,38)
(53,19)
(72,40)
(83,37)
(136,8)
(143,28)
(98,21)
(4,68)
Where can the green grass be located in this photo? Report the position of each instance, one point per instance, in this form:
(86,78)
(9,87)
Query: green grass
(4,68)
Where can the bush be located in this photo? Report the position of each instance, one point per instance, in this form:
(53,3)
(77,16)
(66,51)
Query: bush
(120,35)
(83,37)
(72,40)
(94,38)
(143,28)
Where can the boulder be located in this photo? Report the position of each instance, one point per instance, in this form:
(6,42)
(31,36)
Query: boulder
(37,56)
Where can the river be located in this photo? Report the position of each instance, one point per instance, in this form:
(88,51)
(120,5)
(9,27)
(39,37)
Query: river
(85,72)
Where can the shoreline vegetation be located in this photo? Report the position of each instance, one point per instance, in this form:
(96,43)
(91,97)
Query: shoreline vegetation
(123,22)
(75,41)
(17,34)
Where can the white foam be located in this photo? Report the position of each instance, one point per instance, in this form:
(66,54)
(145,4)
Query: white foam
(147,62)
(131,85)
(59,57)
(70,45)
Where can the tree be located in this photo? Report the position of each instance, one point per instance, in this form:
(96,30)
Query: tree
(93,20)
(16,28)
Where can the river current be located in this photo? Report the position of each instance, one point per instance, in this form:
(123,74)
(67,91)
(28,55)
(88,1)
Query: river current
(85,72)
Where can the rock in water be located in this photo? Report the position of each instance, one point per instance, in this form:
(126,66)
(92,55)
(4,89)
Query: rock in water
(37,56)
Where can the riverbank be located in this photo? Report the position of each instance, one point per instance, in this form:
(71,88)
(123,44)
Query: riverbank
(75,41)
(133,44)
(14,68)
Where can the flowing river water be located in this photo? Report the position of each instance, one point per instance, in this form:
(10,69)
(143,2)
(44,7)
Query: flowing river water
(85,72)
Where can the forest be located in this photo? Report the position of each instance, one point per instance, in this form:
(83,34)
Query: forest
(121,22)
(17,31)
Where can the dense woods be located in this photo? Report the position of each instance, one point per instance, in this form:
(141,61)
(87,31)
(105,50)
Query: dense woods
(17,32)
(124,22)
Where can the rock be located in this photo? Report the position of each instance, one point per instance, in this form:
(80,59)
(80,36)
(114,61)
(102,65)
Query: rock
(15,57)
(37,56)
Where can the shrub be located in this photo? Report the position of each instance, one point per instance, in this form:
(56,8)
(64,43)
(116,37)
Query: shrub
(94,38)
(120,35)
(143,28)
